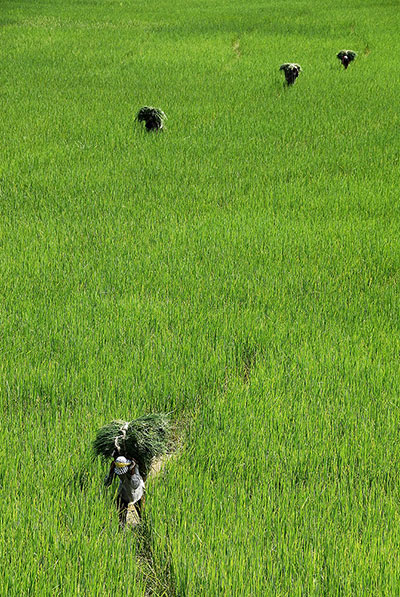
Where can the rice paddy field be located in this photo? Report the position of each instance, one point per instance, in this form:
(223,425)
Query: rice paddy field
(239,269)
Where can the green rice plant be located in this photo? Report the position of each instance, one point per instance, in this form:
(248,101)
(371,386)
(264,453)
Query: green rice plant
(143,439)
(242,273)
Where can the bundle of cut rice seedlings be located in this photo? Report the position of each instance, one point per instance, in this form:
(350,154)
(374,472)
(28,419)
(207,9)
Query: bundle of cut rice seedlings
(152,117)
(346,56)
(143,439)
(291,70)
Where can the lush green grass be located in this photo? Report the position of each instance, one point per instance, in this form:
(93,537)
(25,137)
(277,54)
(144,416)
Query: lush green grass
(241,269)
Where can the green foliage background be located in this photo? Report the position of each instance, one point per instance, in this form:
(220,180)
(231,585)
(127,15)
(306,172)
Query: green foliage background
(240,269)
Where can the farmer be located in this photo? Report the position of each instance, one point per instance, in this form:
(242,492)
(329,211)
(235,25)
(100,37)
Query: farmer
(131,486)
(291,70)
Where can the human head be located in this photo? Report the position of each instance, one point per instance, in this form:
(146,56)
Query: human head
(121,465)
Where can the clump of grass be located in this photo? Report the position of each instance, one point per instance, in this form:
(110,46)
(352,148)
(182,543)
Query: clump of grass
(291,70)
(152,117)
(143,439)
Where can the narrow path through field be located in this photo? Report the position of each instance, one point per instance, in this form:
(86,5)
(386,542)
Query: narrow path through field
(236,47)
(159,581)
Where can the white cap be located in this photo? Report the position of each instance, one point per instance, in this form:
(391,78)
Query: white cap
(121,465)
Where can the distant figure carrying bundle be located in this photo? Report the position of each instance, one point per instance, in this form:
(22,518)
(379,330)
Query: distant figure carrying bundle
(291,70)
(346,56)
(152,117)
(133,446)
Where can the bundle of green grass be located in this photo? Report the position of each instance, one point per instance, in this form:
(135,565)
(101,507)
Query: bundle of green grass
(143,439)
(346,56)
(291,70)
(152,117)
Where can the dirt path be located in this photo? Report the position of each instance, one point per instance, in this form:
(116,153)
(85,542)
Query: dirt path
(132,517)
(158,465)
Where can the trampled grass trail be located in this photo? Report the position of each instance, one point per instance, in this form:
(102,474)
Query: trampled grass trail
(240,268)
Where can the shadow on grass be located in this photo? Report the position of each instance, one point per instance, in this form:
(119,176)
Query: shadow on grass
(159,576)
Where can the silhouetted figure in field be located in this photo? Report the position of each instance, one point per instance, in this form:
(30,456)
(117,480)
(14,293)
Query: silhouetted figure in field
(346,56)
(291,70)
(152,117)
